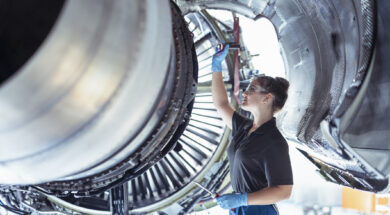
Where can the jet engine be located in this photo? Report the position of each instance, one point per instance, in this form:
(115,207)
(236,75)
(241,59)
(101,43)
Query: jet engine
(103,101)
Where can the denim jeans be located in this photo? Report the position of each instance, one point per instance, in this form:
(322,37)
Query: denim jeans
(255,210)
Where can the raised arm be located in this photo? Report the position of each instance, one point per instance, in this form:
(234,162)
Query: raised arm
(220,98)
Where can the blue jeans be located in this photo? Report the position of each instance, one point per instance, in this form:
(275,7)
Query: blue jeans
(254,210)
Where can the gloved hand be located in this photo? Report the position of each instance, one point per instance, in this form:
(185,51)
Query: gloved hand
(233,200)
(216,65)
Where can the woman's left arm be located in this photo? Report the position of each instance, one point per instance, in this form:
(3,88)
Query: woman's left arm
(270,195)
(266,196)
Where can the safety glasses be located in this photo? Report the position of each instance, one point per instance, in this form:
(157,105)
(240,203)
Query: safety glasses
(252,89)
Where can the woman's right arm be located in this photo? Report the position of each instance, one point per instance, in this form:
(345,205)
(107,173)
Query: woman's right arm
(220,98)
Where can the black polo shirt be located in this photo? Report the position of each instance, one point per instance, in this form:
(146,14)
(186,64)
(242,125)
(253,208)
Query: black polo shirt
(259,160)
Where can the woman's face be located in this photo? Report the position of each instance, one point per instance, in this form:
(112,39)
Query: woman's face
(254,96)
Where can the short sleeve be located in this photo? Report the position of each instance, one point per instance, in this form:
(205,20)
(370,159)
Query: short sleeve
(277,165)
(238,121)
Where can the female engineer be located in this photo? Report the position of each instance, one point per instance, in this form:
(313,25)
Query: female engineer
(260,168)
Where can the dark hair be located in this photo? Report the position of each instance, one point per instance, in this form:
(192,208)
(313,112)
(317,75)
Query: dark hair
(277,86)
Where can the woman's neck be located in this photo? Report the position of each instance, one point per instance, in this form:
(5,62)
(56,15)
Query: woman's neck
(261,116)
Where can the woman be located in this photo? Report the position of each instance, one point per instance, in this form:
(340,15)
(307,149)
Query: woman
(260,168)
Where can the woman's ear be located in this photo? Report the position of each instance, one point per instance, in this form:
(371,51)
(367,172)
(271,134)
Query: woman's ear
(269,97)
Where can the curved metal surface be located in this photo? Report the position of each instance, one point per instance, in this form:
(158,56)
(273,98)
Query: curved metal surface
(364,125)
(251,9)
(330,56)
(163,129)
(202,143)
(84,82)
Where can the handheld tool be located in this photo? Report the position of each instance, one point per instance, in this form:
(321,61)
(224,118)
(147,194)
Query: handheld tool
(231,46)
(214,195)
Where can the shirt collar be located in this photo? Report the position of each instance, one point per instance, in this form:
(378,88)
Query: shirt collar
(264,127)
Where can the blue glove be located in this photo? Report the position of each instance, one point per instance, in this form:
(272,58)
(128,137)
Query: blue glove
(233,200)
(216,65)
